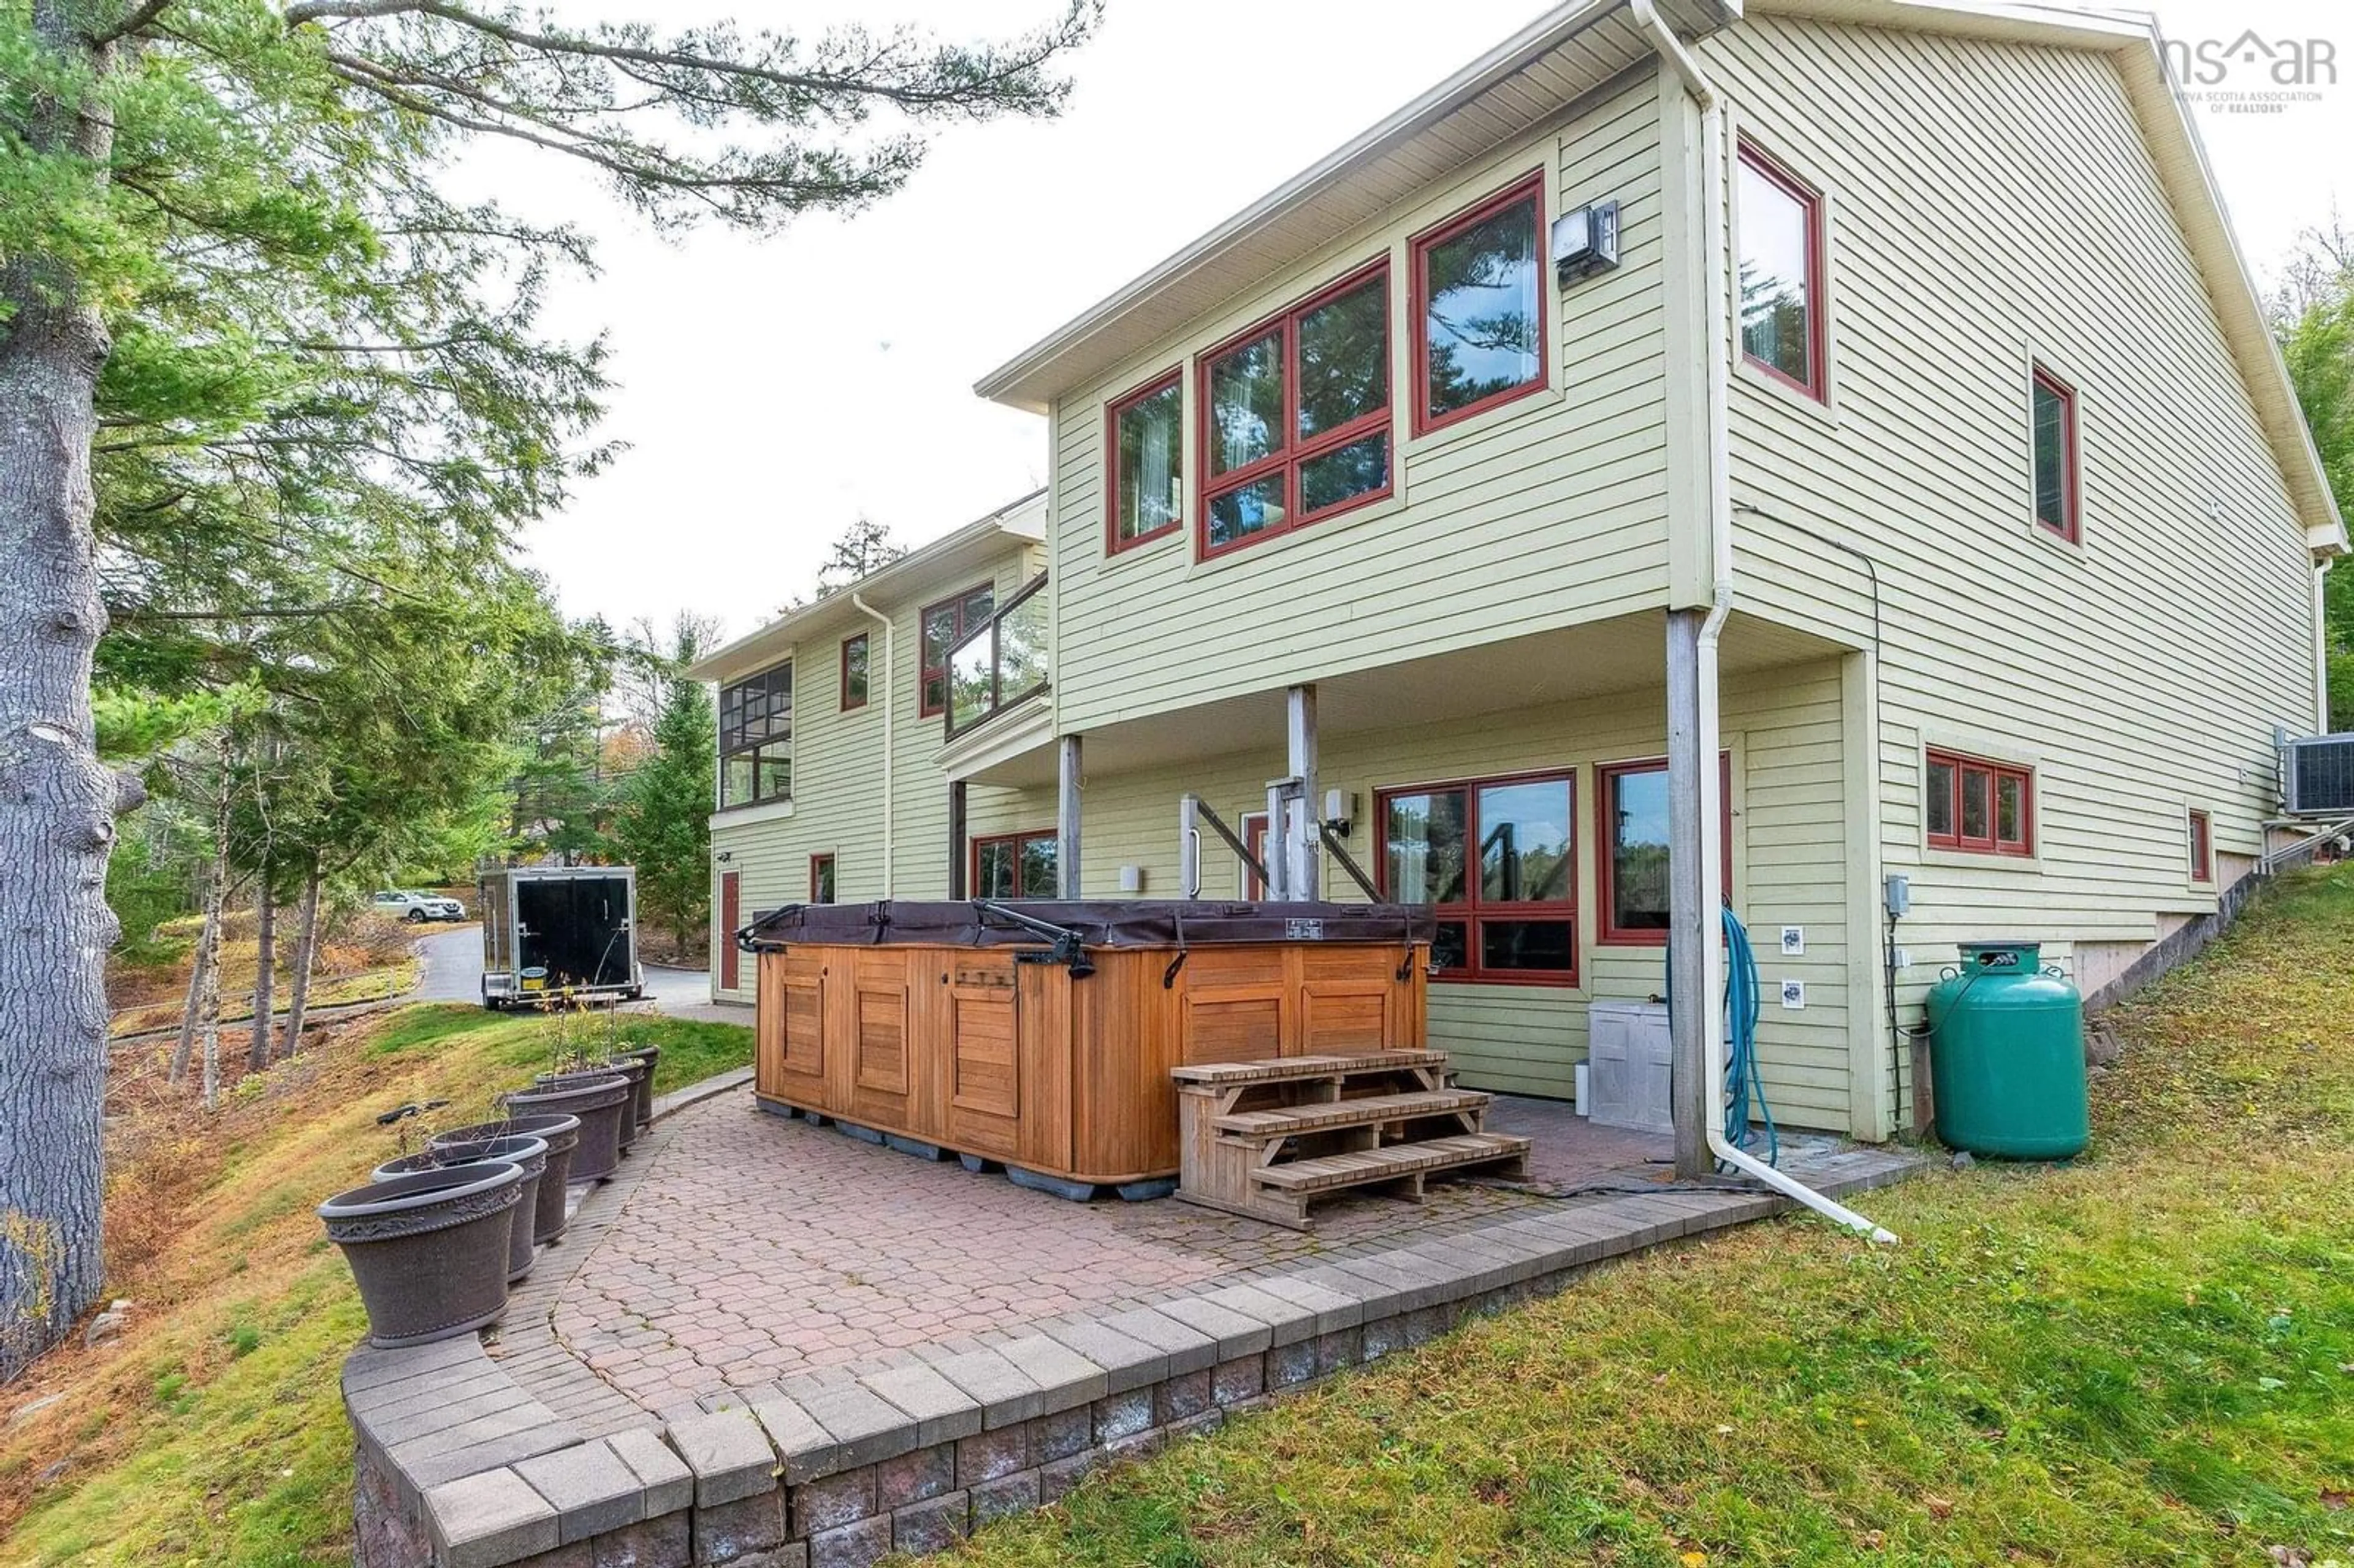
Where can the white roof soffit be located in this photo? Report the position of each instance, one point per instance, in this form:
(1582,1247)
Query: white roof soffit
(1520,84)
(980,540)
(2132,40)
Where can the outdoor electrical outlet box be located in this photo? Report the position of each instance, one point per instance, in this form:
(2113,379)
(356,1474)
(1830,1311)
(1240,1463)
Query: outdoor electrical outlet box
(1131,879)
(1794,994)
(1794,941)
(1899,895)
(1902,958)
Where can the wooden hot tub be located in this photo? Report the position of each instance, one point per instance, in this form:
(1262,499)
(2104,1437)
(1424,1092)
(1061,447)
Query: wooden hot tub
(1048,1044)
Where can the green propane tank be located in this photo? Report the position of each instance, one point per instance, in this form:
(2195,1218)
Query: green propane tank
(2006,1055)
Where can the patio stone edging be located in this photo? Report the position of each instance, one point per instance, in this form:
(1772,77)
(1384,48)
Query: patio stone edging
(839,1467)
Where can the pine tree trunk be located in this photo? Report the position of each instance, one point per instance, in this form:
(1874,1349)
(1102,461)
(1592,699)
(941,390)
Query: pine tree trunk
(56,803)
(265,973)
(306,949)
(185,1050)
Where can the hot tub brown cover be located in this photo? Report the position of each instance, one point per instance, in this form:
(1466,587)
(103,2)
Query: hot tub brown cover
(1114,923)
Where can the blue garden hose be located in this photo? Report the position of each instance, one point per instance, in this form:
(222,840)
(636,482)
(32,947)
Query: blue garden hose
(1743,1000)
(1742,1084)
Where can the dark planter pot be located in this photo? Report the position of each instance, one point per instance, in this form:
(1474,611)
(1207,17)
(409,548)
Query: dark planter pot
(429,1248)
(628,1067)
(560,1133)
(652,1056)
(522,1150)
(601,1100)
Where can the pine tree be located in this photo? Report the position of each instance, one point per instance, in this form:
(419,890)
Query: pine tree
(664,822)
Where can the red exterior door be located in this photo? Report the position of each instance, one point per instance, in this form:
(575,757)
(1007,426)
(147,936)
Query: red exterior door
(730,917)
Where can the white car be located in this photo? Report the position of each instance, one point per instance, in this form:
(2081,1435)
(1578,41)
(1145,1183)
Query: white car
(417,907)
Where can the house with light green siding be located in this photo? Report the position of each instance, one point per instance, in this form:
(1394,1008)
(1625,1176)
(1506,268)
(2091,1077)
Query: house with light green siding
(1694,452)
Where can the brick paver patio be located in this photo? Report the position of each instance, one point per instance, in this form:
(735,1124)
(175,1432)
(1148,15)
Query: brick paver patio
(751,1247)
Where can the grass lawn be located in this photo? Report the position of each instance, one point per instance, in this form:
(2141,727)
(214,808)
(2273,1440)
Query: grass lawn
(2147,1357)
(212,1431)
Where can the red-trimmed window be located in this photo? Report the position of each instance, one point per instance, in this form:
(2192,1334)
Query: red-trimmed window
(1295,415)
(820,879)
(1480,307)
(1014,865)
(1632,873)
(1781,273)
(2057,490)
(1977,807)
(854,672)
(945,625)
(1496,860)
(1144,437)
(2202,848)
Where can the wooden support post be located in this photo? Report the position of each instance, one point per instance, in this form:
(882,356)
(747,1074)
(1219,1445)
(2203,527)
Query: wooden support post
(959,852)
(1066,820)
(1691,926)
(1302,845)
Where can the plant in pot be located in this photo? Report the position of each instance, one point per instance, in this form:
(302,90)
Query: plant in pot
(580,1086)
(559,1132)
(431,1249)
(526,1151)
(621,1050)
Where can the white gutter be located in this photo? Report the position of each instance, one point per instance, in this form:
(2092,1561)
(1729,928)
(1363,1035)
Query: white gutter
(890,743)
(1718,288)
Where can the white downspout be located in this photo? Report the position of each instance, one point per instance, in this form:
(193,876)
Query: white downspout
(1717,288)
(890,742)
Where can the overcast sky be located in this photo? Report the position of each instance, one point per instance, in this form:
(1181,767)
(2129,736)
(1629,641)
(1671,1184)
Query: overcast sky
(771,390)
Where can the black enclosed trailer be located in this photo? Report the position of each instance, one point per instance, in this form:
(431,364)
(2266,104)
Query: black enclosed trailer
(560,932)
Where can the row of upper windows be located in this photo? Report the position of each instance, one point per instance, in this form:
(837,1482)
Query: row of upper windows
(756,729)
(1295,411)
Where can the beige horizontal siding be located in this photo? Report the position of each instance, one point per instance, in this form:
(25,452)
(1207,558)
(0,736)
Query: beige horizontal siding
(1538,514)
(1989,203)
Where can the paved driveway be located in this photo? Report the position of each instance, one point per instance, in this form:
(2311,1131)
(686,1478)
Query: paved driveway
(450,968)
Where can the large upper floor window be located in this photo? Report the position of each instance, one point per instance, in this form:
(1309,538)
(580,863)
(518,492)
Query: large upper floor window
(1296,415)
(1781,284)
(1146,443)
(1014,865)
(945,625)
(756,739)
(1633,874)
(1496,859)
(1980,807)
(2053,406)
(1479,312)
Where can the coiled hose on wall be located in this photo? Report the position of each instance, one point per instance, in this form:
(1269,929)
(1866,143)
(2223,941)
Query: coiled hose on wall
(1742,1001)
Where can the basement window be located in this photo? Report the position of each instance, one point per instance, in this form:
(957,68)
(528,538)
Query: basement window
(1977,807)
(2202,849)
(1496,859)
(1633,872)
(1295,416)
(1014,865)
(820,879)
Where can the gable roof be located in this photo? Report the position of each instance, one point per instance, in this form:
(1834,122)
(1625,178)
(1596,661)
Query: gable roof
(938,567)
(1577,48)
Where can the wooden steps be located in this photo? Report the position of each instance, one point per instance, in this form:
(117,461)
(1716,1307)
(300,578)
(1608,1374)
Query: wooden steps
(1365,1110)
(1262,1138)
(1286,1069)
(1393,1160)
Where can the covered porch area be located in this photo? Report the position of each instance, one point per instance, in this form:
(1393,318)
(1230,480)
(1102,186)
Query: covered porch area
(1522,790)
